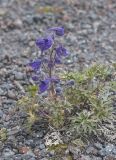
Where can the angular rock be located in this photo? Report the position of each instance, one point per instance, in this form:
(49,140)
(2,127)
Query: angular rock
(110,157)
(2,93)
(18,23)
(8,153)
(19,75)
(92,150)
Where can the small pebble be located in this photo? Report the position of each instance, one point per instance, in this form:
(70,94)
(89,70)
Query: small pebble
(42,146)
(1,113)
(91,150)
(11,94)
(19,76)
(18,23)
(2,93)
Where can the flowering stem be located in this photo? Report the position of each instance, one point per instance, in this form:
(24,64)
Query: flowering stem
(52,91)
(41,56)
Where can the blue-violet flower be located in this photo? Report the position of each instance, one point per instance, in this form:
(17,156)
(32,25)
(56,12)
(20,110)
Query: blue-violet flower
(59,31)
(57,60)
(44,43)
(44,85)
(35,78)
(61,51)
(35,64)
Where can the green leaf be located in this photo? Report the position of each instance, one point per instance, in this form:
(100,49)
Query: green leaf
(32,89)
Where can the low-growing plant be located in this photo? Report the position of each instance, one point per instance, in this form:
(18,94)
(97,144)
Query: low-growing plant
(92,98)
(78,102)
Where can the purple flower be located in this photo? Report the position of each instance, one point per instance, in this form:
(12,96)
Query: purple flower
(59,31)
(44,43)
(61,51)
(35,78)
(35,64)
(44,85)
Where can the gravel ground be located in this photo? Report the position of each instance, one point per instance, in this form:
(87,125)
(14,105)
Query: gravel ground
(90,37)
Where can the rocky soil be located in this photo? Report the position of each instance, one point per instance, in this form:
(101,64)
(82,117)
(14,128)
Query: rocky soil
(90,37)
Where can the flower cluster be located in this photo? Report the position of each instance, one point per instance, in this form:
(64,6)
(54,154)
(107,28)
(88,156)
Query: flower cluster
(51,55)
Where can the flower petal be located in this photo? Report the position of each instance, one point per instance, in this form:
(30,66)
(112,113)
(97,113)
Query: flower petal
(35,64)
(44,85)
(61,51)
(59,31)
(57,60)
(35,78)
(44,43)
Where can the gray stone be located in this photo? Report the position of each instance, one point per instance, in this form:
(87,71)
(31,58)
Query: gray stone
(45,94)
(11,141)
(1,145)
(32,43)
(110,157)
(109,149)
(9,85)
(102,152)
(29,142)
(32,158)
(29,155)
(84,157)
(2,93)
(37,18)
(42,146)
(26,52)
(8,102)
(8,153)
(70,26)
(19,75)
(58,90)
(18,23)
(42,153)
(28,19)
(39,134)
(69,61)
(96,158)
(1,113)
(11,94)
(98,145)
(91,150)
(13,130)
(52,153)
(75,151)
(7,158)
(17,157)
(114,151)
